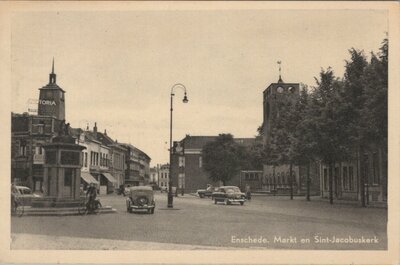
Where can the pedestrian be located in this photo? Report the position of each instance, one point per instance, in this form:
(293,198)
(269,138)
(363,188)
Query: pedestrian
(248,192)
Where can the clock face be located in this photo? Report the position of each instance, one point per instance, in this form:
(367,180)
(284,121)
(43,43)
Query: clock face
(279,89)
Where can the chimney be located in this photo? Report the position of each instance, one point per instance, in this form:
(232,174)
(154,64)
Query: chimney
(95,129)
(87,127)
(105,132)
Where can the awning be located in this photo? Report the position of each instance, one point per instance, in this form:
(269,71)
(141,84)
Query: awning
(109,177)
(88,178)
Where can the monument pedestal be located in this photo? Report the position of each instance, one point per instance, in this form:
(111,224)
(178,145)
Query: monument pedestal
(62,171)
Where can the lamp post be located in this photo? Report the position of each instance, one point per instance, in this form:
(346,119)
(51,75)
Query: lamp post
(185,100)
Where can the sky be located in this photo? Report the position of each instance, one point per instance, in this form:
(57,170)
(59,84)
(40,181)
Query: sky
(118,67)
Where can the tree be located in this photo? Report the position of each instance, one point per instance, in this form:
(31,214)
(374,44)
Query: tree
(303,138)
(221,158)
(329,130)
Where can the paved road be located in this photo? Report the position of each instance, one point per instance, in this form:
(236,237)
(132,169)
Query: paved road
(264,222)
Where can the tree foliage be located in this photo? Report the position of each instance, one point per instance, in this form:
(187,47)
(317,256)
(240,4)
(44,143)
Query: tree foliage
(222,158)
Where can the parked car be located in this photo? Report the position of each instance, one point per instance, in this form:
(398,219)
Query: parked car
(207,192)
(163,189)
(229,195)
(24,194)
(141,198)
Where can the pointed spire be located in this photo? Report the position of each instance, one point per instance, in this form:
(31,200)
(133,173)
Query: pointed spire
(52,77)
(280,77)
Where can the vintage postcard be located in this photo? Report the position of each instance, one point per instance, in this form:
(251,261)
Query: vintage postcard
(200,132)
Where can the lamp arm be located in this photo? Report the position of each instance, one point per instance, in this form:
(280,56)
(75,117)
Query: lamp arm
(178,85)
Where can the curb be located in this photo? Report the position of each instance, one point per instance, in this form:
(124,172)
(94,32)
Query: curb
(73,211)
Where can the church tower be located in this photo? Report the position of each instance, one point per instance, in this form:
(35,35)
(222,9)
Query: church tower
(51,98)
(274,94)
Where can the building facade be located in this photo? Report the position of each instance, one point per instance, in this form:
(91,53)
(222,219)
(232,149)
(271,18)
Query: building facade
(187,169)
(28,135)
(137,172)
(163,173)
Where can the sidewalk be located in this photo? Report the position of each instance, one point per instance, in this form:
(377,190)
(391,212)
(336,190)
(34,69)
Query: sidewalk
(312,199)
(42,242)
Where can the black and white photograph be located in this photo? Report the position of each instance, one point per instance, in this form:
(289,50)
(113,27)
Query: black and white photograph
(207,127)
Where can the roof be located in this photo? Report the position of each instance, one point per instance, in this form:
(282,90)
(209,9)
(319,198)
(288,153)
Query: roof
(198,142)
(52,86)
(141,153)
(104,139)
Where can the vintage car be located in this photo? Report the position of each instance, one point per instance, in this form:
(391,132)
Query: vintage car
(229,195)
(207,192)
(24,194)
(141,198)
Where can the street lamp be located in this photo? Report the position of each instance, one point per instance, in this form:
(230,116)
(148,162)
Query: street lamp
(185,100)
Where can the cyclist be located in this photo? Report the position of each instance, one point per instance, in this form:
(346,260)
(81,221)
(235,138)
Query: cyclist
(92,193)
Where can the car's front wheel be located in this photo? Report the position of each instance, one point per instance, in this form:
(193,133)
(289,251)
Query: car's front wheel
(241,203)
(201,195)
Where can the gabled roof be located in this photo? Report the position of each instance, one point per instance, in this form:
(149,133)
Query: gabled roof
(104,139)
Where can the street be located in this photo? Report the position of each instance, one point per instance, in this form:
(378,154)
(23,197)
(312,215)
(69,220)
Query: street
(264,222)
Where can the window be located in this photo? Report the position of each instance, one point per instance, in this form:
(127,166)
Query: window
(41,129)
(351,178)
(345,179)
(200,162)
(181,180)
(181,161)
(325,179)
(38,150)
(86,159)
(375,165)
(22,148)
(366,171)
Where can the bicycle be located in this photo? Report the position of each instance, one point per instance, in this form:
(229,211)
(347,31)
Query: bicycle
(92,207)
(17,208)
